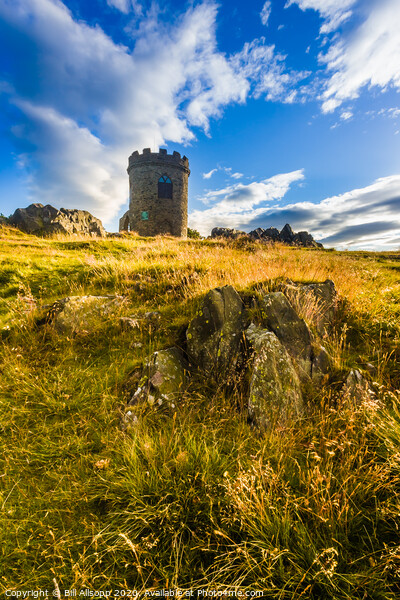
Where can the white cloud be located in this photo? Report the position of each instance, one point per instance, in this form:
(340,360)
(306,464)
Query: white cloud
(265,12)
(346,115)
(334,12)
(238,204)
(368,56)
(79,165)
(228,170)
(209,174)
(77,83)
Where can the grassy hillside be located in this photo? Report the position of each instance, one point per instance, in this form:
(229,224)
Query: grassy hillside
(191,499)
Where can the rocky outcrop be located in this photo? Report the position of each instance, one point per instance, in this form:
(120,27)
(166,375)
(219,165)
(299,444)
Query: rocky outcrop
(47,220)
(286,236)
(162,380)
(275,396)
(267,234)
(215,335)
(227,233)
(78,314)
(275,363)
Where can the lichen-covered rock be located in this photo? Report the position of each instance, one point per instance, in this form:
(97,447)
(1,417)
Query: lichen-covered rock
(275,395)
(163,379)
(215,335)
(280,317)
(47,220)
(167,373)
(318,300)
(83,313)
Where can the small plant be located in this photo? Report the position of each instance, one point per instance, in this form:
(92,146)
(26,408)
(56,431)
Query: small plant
(193,234)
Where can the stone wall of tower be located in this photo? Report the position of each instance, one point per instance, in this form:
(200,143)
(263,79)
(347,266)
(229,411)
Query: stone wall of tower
(166,216)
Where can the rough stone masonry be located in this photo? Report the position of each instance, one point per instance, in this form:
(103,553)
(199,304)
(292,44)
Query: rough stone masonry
(158,192)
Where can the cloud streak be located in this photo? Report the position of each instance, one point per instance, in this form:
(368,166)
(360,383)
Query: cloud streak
(369,56)
(334,12)
(266,12)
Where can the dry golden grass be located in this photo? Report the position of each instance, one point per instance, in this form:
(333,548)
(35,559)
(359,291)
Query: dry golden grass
(193,499)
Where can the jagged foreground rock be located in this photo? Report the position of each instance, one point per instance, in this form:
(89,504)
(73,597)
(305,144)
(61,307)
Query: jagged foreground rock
(47,220)
(286,236)
(277,355)
(165,376)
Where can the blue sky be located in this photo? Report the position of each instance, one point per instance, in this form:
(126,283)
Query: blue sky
(289,110)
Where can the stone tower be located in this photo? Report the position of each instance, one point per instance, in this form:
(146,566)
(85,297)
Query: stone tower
(158,194)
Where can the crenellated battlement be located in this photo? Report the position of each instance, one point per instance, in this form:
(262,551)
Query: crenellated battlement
(161,156)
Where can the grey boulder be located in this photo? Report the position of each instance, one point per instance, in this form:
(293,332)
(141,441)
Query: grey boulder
(275,396)
(83,313)
(279,316)
(214,336)
(163,378)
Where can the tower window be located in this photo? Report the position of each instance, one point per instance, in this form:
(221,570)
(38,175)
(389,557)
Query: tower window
(164,187)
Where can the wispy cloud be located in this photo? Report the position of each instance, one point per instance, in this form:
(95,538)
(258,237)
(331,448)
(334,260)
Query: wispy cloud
(234,175)
(266,12)
(227,170)
(126,6)
(267,71)
(346,115)
(209,174)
